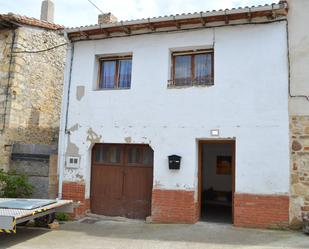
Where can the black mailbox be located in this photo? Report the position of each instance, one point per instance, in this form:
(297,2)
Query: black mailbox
(174,162)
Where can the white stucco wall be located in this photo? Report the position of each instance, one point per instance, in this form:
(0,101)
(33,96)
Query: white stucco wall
(249,102)
(298,19)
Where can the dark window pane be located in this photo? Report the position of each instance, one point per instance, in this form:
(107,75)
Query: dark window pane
(203,68)
(135,155)
(107,154)
(108,74)
(104,154)
(125,68)
(114,155)
(183,70)
(148,156)
(98,154)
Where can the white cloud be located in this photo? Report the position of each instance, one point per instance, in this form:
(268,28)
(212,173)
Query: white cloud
(81,12)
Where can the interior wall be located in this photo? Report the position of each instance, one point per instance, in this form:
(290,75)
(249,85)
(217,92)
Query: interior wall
(210,177)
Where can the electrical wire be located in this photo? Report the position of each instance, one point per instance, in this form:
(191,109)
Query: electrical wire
(39,51)
(95,6)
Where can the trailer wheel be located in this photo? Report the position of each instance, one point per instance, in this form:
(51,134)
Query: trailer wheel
(45,220)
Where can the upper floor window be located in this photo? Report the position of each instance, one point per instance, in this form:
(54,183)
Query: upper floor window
(115,72)
(193,68)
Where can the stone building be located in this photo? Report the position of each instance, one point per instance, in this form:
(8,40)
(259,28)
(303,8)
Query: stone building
(299,108)
(32,57)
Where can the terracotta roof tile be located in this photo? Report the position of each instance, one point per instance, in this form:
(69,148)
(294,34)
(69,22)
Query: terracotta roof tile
(24,20)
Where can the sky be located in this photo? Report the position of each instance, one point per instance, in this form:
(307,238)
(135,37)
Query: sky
(73,13)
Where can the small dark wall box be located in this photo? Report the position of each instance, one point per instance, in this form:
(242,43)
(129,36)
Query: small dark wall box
(174,162)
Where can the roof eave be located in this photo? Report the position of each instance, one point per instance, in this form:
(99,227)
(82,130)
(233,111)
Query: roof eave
(274,10)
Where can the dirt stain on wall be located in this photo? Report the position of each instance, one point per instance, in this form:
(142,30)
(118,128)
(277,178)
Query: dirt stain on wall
(93,137)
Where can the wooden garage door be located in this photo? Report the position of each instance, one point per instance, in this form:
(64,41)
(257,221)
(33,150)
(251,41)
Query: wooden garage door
(121,180)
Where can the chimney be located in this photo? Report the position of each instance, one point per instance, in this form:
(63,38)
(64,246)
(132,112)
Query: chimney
(107,18)
(47,11)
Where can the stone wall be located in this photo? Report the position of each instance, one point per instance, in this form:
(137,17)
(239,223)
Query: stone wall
(6,38)
(299,201)
(35,89)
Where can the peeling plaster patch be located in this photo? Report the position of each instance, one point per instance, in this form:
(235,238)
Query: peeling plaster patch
(186,187)
(79,176)
(128,140)
(158,184)
(80,92)
(72,149)
(74,127)
(93,137)
(144,140)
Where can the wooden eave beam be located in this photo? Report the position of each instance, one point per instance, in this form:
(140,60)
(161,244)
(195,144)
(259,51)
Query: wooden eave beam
(151,25)
(249,15)
(227,18)
(203,20)
(177,23)
(9,24)
(125,29)
(82,33)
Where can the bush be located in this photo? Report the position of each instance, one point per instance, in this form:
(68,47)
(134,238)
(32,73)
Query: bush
(62,217)
(14,186)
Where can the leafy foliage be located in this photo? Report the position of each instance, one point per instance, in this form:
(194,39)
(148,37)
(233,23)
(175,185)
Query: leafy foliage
(62,217)
(14,186)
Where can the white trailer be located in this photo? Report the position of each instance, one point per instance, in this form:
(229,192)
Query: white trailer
(20,211)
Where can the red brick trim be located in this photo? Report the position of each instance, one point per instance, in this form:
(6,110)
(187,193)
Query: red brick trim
(261,211)
(76,191)
(174,206)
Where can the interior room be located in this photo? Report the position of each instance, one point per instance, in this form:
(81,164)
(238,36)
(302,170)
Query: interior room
(217,182)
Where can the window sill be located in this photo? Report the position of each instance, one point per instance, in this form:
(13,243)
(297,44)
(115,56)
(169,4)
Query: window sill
(110,89)
(172,86)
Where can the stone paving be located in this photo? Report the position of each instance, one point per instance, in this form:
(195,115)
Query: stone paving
(103,233)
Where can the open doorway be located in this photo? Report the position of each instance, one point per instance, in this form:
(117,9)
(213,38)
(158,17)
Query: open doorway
(216,180)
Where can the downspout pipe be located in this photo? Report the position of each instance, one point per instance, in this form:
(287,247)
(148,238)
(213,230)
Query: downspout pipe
(63,132)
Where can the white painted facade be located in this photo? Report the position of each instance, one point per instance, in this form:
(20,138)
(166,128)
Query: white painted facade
(248,102)
(299,56)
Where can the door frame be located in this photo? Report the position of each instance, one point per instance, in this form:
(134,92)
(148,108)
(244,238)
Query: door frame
(201,142)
